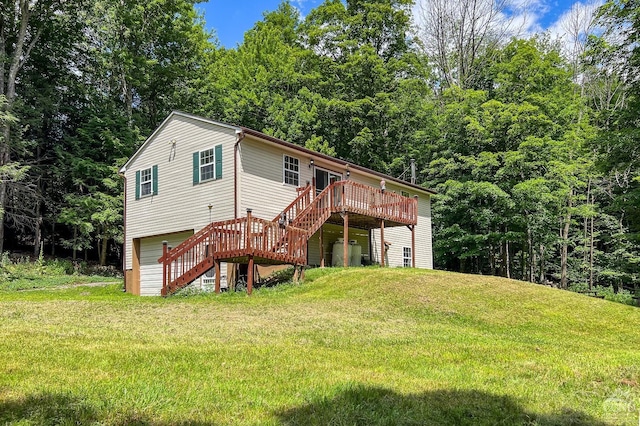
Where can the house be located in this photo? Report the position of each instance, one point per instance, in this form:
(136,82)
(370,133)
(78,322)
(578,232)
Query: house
(205,200)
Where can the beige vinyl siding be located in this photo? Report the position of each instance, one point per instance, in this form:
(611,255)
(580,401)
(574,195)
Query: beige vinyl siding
(150,269)
(262,188)
(400,236)
(261,179)
(179,204)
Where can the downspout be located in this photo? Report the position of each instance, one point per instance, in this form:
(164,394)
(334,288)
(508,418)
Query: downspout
(124,232)
(239,137)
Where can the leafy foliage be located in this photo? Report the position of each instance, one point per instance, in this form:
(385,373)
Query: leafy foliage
(535,155)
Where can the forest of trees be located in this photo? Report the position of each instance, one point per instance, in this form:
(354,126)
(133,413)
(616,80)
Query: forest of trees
(532,143)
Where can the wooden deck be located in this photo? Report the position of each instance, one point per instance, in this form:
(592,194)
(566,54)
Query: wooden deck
(283,240)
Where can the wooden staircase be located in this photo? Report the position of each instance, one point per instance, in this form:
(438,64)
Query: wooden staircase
(282,240)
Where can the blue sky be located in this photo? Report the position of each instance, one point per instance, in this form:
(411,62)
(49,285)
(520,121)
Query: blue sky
(231,19)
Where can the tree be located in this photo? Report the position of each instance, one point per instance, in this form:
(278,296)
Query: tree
(22,25)
(460,36)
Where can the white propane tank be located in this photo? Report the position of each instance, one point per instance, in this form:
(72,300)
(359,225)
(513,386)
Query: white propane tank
(337,258)
(355,257)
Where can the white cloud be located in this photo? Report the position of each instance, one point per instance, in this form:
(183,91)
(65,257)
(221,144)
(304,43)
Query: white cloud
(573,27)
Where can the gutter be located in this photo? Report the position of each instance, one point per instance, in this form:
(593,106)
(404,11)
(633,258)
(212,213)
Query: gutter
(353,166)
(239,136)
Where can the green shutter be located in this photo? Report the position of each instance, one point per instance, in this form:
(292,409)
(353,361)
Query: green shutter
(218,154)
(154,176)
(138,185)
(196,168)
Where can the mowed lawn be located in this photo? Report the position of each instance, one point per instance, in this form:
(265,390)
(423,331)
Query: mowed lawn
(359,346)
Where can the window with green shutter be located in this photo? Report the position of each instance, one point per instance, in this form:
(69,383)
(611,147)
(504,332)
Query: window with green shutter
(146,182)
(207,164)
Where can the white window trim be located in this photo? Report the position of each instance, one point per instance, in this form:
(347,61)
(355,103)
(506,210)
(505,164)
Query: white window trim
(404,258)
(284,170)
(212,163)
(150,182)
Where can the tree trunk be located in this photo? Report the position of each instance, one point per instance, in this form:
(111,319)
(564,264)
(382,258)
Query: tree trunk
(531,254)
(75,238)
(103,251)
(585,257)
(507,259)
(53,238)
(37,237)
(4,160)
(591,250)
(492,260)
(22,47)
(564,251)
(542,271)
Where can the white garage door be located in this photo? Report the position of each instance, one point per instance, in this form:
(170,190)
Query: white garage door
(150,269)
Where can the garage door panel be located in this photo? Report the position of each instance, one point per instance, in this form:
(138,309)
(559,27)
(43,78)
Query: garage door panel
(150,269)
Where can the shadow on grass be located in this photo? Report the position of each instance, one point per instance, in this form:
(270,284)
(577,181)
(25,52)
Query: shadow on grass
(363,405)
(60,409)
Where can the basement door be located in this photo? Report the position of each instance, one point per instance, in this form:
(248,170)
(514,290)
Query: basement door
(150,269)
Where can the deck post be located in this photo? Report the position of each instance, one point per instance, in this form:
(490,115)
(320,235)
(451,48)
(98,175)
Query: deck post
(345,244)
(216,266)
(250,275)
(321,247)
(413,246)
(169,267)
(248,230)
(382,242)
(164,267)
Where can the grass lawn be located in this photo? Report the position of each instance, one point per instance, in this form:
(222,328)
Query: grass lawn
(359,346)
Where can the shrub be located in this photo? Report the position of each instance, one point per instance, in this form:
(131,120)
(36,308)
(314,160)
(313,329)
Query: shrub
(622,296)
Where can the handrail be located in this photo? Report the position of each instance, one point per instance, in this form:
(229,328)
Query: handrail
(316,213)
(363,199)
(245,236)
(278,240)
(298,205)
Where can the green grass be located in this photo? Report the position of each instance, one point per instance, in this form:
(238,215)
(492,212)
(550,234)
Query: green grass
(31,283)
(24,274)
(360,346)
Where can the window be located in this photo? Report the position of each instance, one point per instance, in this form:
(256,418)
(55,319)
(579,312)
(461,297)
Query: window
(147,182)
(207,164)
(404,193)
(406,257)
(291,171)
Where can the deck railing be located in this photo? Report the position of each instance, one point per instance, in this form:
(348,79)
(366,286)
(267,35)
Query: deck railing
(363,199)
(235,238)
(297,206)
(280,241)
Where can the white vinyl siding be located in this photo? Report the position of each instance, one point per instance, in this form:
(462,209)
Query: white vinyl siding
(150,269)
(180,205)
(184,205)
(400,236)
(291,170)
(262,190)
(260,179)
